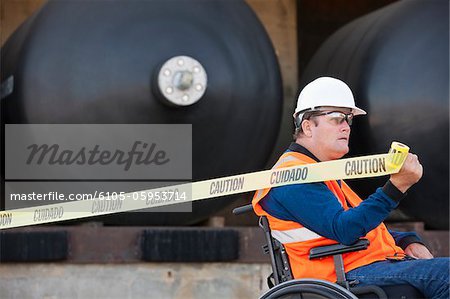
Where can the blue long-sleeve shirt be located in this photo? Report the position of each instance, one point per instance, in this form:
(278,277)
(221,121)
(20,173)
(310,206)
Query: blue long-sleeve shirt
(316,207)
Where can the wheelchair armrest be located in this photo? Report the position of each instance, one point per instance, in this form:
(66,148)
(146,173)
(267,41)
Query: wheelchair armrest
(329,250)
(243,209)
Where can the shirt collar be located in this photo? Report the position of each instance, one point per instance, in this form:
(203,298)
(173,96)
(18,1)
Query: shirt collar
(295,147)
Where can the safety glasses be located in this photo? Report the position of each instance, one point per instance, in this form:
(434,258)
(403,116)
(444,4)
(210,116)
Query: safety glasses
(337,117)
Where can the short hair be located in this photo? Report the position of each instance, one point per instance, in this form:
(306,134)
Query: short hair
(304,116)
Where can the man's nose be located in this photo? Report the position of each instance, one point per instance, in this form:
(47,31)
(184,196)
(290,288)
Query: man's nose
(345,126)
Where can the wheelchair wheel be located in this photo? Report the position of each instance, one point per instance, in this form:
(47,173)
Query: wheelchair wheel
(308,289)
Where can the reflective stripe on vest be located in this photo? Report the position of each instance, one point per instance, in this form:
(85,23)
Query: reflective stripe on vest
(294,235)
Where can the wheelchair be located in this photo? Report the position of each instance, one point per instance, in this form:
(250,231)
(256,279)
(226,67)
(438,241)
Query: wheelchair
(282,284)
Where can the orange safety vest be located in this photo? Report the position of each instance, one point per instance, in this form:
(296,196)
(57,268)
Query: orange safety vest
(298,240)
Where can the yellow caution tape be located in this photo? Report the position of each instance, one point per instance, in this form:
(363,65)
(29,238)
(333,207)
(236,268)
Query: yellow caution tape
(351,168)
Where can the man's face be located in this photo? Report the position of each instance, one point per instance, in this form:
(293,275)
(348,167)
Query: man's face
(331,135)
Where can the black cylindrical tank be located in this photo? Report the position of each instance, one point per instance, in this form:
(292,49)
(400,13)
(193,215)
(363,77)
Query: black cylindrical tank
(97,62)
(396,61)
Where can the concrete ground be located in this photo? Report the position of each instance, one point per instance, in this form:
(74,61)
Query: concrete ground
(137,280)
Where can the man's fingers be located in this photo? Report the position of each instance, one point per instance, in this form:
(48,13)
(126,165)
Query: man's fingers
(412,157)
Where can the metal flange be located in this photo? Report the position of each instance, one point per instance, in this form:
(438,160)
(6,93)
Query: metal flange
(182,80)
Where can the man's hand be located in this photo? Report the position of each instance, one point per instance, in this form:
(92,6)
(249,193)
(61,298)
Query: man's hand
(418,251)
(409,174)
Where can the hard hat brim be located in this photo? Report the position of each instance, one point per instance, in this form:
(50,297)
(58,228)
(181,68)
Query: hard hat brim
(358,111)
(355,111)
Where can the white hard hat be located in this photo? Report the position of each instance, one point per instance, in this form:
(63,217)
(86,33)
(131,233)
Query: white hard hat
(326,91)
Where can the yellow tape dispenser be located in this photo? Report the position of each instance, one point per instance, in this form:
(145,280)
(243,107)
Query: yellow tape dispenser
(397,155)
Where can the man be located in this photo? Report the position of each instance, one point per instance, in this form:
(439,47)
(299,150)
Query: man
(304,216)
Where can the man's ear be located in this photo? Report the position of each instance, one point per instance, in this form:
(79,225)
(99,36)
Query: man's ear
(306,127)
